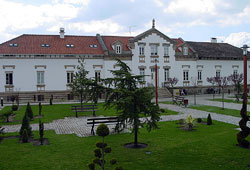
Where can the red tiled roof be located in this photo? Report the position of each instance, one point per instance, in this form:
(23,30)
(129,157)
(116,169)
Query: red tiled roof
(109,40)
(31,44)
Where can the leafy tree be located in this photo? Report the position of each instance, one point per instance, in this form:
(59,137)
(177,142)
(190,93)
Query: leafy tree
(222,83)
(80,81)
(236,81)
(7,114)
(25,125)
(102,150)
(29,111)
(172,82)
(195,85)
(41,131)
(213,82)
(131,101)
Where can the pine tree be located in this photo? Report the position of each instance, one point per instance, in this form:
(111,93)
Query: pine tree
(29,111)
(209,120)
(25,125)
(25,136)
(40,108)
(130,100)
(41,131)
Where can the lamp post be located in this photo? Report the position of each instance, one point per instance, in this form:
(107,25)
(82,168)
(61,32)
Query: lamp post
(156,83)
(245,47)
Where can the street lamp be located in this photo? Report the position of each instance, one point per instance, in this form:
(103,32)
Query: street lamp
(245,47)
(156,82)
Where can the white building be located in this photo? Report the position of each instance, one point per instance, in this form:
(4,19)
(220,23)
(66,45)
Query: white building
(38,66)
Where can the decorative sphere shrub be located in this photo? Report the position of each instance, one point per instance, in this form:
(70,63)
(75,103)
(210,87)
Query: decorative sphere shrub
(14,107)
(102,130)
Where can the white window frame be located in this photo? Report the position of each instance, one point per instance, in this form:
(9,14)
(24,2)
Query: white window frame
(118,49)
(166,50)
(142,73)
(141,49)
(166,59)
(185,75)
(70,76)
(154,59)
(98,75)
(217,73)
(40,78)
(9,78)
(154,50)
(166,74)
(199,75)
(142,59)
(235,73)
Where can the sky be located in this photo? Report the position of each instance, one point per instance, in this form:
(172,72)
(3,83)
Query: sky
(192,20)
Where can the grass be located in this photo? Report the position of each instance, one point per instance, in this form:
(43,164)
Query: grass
(227,101)
(59,111)
(209,147)
(219,110)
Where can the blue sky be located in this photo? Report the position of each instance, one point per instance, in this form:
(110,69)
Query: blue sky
(192,20)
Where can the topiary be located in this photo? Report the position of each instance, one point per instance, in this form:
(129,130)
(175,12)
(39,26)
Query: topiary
(41,131)
(29,111)
(209,119)
(25,136)
(40,108)
(14,107)
(162,110)
(102,130)
(25,125)
(199,120)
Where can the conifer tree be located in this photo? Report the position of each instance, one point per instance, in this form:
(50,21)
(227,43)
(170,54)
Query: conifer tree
(25,136)
(209,120)
(40,108)
(25,125)
(41,131)
(130,100)
(29,111)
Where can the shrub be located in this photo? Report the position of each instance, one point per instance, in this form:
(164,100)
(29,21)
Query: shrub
(102,130)
(40,108)
(209,120)
(29,111)
(25,126)
(189,121)
(162,110)
(41,131)
(91,166)
(199,120)
(7,114)
(25,136)
(14,107)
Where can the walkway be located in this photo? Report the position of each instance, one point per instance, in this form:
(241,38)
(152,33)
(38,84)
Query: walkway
(79,125)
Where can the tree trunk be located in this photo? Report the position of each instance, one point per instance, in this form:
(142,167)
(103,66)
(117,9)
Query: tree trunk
(102,153)
(136,135)
(222,98)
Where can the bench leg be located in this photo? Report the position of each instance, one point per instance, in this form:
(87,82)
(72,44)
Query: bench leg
(92,129)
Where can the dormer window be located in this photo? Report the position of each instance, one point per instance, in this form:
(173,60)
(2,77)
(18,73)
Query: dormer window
(13,45)
(185,51)
(45,45)
(93,46)
(118,49)
(70,45)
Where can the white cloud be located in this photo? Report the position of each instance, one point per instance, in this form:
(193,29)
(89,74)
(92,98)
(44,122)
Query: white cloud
(238,39)
(96,26)
(192,7)
(159,3)
(83,2)
(16,16)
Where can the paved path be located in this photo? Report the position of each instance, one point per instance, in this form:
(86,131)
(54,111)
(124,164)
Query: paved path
(79,125)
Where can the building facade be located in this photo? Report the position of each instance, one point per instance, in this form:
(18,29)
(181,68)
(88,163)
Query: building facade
(40,66)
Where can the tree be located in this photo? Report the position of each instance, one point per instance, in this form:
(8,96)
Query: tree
(213,82)
(222,83)
(80,81)
(195,84)
(40,108)
(102,149)
(7,114)
(209,120)
(131,101)
(94,90)
(25,125)
(172,82)
(29,111)
(236,81)
(41,131)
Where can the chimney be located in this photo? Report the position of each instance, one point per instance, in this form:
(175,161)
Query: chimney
(61,32)
(213,40)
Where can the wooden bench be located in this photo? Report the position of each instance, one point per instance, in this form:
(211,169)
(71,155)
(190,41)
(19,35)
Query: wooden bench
(99,120)
(178,100)
(85,108)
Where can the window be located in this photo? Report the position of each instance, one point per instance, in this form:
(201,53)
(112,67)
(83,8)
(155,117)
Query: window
(13,45)
(217,74)
(70,76)
(93,46)
(118,49)
(142,73)
(235,74)
(142,59)
(166,74)
(166,59)
(70,45)
(45,45)
(98,76)
(185,51)
(154,60)
(199,75)
(40,77)
(166,50)
(9,78)
(154,50)
(185,75)
(141,49)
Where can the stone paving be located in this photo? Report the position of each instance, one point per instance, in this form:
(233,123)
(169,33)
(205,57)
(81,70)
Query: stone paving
(78,126)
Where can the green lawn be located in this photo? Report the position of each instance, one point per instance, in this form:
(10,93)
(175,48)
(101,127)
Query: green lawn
(226,100)
(59,111)
(209,147)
